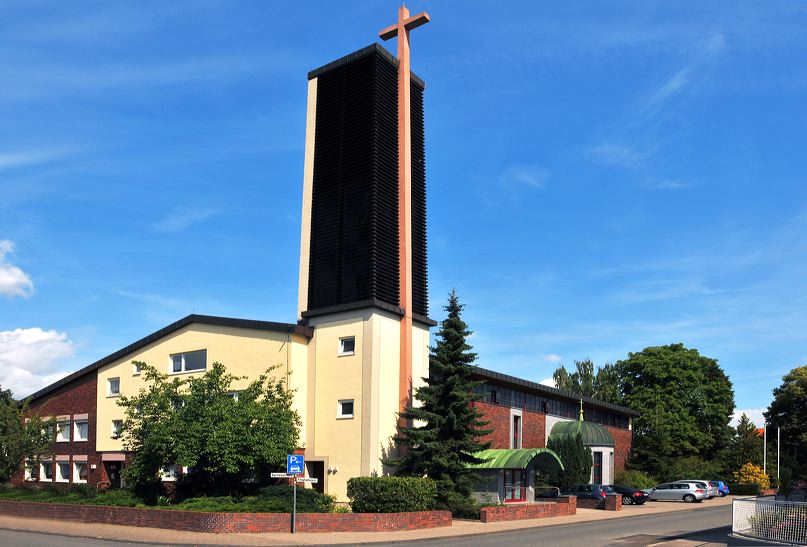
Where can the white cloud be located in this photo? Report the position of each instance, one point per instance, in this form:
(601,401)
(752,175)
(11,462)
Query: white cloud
(617,154)
(548,382)
(532,176)
(29,358)
(183,216)
(552,358)
(754,414)
(13,281)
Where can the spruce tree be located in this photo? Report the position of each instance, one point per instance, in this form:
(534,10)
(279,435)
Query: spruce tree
(439,436)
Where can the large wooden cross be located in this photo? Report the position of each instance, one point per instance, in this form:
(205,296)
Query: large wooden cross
(401,31)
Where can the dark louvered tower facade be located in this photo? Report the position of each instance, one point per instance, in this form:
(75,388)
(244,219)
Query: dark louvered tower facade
(353,256)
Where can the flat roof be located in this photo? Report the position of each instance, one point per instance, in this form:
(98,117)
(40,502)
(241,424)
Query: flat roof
(363,52)
(486,374)
(288,328)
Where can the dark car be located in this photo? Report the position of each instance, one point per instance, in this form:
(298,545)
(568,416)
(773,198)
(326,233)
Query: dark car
(630,495)
(587,491)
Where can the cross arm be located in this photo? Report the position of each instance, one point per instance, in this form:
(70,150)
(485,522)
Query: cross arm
(410,23)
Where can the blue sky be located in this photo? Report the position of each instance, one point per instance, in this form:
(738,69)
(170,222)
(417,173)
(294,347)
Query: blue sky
(601,177)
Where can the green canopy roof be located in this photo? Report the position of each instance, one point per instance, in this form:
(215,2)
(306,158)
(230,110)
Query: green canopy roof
(516,458)
(591,433)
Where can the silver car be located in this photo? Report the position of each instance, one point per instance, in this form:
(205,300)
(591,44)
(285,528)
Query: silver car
(710,488)
(686,491)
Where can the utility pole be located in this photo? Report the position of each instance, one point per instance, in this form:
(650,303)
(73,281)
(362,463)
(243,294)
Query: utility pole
(778,432)
(765,448)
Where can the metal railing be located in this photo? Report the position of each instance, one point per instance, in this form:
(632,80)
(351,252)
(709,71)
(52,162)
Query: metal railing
(760,518)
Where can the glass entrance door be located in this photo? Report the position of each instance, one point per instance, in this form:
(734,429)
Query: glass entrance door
(514,485)
(597,472)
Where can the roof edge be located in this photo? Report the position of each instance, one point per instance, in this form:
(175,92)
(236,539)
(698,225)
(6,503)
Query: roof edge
(358,54)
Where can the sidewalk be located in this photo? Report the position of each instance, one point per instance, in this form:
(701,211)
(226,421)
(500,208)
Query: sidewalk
(459,528)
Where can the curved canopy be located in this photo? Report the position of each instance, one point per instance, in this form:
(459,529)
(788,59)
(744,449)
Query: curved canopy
(517,458)
(591,433)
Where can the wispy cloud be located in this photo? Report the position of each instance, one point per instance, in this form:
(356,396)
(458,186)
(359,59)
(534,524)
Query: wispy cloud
(530,176)
(552,358)
(182,217)
(754,414)
(13,281)
(548,382)
(9,160)
(613,153)
(30,358)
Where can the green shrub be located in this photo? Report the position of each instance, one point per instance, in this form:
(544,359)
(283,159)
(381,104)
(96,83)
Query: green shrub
(461,507)
(391,494)
(743,489)
(636,479)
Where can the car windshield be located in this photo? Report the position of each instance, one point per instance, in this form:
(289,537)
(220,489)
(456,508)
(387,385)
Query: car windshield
(608,488)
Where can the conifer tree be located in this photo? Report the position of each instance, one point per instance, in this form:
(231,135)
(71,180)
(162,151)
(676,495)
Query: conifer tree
(439,436)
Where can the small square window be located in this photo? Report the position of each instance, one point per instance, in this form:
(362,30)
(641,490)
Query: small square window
(113,387)
(344,409)
(63,432)
(117,428)
(79,471)
(135,369)
(81,430)
(347,345)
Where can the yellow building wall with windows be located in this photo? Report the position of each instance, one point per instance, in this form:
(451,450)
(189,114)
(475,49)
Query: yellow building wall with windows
(243,351)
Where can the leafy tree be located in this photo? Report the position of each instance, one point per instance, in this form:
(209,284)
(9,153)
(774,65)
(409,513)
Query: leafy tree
(577,460)
(20,439)
(604,385)
(746,445)
(439,437)
(685,401)
(789,412)
(200,423)
(752,474)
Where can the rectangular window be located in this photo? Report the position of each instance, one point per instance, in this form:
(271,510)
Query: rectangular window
(79,471)
(62,471)
(31,473)
(117,428)
(136,369)
(171,473)
(344,409)
(113,387)
(516,432)
(46,471)
(347,345)
(190,361)
(596,472)
(63,432)
(81,430)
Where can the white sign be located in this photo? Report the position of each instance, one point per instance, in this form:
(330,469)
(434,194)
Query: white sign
(281,476)
(313,480)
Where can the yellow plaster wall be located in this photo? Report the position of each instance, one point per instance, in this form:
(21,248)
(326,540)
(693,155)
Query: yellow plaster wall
(389,360)
(245,352)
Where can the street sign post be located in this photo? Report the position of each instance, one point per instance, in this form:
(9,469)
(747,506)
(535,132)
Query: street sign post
(295,463)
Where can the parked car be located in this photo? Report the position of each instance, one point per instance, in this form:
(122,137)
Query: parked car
(587,491)
(711,489)
(686,491)
(722,488)
(630,495)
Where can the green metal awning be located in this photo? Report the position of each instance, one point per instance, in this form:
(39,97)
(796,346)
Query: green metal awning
(517,458)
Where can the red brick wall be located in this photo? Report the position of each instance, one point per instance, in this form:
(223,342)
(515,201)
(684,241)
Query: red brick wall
(523,511)
(612,502)
(219,523)
(77,397)
(533,426)
(623,443)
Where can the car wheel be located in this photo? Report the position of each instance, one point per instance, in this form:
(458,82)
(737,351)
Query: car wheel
(627,500)
(721,494)
(689,498)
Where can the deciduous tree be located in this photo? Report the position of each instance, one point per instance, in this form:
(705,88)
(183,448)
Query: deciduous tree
(20,438)
(789,411)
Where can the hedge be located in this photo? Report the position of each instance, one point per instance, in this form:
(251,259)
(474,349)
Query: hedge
(743,489)
(391,494)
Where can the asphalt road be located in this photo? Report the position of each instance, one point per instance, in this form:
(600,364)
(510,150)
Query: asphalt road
(698,527)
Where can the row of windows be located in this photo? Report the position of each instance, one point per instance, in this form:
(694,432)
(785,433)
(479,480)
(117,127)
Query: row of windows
(80,430)
(515,398)
(59,471)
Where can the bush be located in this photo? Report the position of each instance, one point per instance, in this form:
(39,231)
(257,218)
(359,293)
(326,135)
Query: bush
(752,474)
(308,500)
(461,507)
(636,479)
(736,489)
(391,494)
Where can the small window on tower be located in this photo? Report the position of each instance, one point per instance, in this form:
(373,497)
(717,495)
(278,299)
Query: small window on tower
(344,409)
(347,345)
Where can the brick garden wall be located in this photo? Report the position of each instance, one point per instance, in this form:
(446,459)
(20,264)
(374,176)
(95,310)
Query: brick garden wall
(221,523)
(565,505)
(533,426)
(612,502)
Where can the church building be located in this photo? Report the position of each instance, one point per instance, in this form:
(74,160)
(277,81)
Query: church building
(359,345)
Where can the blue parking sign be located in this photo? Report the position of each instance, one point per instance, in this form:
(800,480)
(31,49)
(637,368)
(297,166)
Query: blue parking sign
(294,464)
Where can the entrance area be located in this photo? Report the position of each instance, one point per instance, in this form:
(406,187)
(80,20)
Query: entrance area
(596,473)
(514,485)
(113,473)
(316,470)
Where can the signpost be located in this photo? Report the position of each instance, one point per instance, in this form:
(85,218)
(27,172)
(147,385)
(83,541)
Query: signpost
(295,464)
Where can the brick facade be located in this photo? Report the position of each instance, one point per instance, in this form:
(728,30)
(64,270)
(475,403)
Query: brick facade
(533,426)
(565,505)
(623,442)
(71,401)
(232,523)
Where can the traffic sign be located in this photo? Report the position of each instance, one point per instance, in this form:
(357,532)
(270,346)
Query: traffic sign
(294,464)
(281,476)
(312,480)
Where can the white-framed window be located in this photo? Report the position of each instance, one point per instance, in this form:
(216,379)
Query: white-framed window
(347,345)
(31,471)
(46,471)
(81,430)
(234,394)
(113,387)
(344,409)
(170,473)
(189,361)
(62,471)
(117,428)
(63,432)
(135,369)
(80,470)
